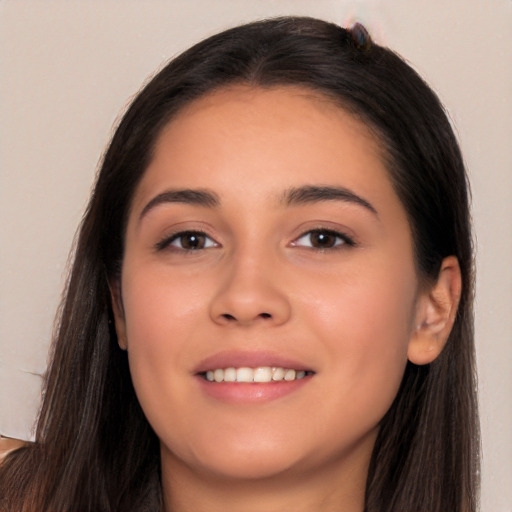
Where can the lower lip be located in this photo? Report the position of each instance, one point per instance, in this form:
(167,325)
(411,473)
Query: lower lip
(242,392)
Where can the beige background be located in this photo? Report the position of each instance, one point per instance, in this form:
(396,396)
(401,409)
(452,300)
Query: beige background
(68,68)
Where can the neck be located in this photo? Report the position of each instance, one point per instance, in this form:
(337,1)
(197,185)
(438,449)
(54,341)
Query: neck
(332,488)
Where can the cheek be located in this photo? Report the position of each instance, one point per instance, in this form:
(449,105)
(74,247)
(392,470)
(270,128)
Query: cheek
(159,309)
(161,327)
(365,322)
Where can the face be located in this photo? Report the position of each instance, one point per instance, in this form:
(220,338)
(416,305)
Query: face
(265,243)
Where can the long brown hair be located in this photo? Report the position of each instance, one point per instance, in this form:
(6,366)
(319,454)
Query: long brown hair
(94,449)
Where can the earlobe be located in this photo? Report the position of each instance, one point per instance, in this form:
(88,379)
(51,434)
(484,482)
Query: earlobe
(435,314)
(118,310)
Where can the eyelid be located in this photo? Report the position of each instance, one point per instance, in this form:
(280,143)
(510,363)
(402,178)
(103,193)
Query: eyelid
(168,240)
(344,239)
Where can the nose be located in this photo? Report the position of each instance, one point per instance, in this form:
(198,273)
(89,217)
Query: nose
(250,292)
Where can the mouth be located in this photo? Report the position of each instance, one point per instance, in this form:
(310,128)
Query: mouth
(250,377)
(261,374)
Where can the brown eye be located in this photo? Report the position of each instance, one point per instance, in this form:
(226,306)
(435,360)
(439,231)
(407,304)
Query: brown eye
(191,241)
(323,239)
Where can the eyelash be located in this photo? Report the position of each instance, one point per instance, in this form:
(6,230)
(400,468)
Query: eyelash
(168,241)
(341,240)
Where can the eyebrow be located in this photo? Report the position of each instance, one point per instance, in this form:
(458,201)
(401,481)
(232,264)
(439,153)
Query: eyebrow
(197,197)
(294,196)
(315,194)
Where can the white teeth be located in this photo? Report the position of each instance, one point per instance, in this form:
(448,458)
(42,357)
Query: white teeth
(263,374)
(260,374)
(289,375)
(278,374)
(230,375)
(244,375)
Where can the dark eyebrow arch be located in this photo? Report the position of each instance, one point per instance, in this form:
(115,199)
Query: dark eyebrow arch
(197,197)
(315,194)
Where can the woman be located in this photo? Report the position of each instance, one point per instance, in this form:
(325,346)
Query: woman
(270,304)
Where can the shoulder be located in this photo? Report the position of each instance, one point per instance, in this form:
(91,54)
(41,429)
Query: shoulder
(8,444)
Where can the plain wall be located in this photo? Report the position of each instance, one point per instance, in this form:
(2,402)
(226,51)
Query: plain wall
(68,68)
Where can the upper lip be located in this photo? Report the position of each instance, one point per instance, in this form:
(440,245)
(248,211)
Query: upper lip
(240,359)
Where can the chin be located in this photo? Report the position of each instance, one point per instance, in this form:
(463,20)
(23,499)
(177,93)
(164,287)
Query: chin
(242,462)
(255,467)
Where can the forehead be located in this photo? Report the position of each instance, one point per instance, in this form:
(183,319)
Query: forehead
(288,108)
(263,140)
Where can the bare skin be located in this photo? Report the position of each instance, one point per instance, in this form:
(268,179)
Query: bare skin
(265,233)
(8,444)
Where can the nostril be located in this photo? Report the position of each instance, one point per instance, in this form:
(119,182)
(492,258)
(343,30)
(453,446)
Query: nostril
(231,318)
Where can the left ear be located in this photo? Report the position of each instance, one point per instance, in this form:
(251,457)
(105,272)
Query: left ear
(436,310)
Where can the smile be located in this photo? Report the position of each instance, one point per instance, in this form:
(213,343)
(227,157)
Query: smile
(261,374)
